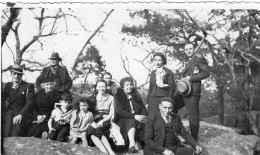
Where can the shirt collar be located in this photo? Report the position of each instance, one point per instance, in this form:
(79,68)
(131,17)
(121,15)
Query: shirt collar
(17,83)
(165,118)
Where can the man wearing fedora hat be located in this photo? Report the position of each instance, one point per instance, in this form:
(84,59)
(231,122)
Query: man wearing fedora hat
(189,87)
(59,74)
(162,130)
(21,98)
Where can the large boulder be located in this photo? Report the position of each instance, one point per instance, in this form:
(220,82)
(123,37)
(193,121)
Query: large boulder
(215,139)
(221,140)
(237,120)
(37,146)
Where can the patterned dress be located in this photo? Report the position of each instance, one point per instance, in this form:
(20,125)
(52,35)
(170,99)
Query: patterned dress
(80,121)
(102,110)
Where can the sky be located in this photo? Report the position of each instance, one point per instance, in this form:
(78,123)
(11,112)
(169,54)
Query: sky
(109,42)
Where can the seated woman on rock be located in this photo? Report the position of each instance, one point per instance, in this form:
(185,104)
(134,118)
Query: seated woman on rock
(131,113)
(45,101)
(103,115)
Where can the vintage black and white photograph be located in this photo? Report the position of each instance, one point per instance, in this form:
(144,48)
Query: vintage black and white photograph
(121,78)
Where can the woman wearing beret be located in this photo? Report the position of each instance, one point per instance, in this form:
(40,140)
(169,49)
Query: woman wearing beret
(131,113)
(162,83)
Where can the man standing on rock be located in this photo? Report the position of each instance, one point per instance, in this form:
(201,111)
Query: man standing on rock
(21,98)
(59,74)
(196,69)
(162,130)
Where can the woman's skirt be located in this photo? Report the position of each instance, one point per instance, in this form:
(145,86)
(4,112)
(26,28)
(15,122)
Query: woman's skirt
(127,124)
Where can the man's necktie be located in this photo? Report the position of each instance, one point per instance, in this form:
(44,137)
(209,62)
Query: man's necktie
(168,119)
(15,86)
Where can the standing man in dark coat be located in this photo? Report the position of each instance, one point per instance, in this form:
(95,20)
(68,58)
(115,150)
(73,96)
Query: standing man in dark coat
(21,99)
(58,73)
(162,130)
(196,69)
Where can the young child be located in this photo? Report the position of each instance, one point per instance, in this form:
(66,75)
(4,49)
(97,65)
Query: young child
(58,123)
(80,121)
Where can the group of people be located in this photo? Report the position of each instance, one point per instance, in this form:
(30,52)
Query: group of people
(154,126)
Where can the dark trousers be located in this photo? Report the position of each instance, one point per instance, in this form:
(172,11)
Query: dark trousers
(192,105)
(10,129)
(60,133)
(184,151)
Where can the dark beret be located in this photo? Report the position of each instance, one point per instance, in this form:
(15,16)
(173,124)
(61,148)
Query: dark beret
(167,99)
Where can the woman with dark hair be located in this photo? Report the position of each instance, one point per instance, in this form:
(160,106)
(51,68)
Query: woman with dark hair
(131,113)
(111,85)
(162,83)
(103,115)
(45,102)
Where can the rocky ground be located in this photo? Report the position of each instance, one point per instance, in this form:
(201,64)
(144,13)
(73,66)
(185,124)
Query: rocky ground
(215,139)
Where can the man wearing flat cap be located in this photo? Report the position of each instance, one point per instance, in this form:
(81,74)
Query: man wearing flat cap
(59,74)
(189,88)
(21,98)
(162,130)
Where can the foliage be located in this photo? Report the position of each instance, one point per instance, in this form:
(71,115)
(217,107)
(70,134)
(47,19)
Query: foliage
(232,43)
(90,62)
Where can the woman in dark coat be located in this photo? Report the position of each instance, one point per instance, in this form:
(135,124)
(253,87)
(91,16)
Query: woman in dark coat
(45,101)
(131,113)
(162,83)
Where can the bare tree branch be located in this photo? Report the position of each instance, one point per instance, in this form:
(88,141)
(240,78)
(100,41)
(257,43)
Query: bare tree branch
(253,57)
(35,62)
(87,42)
(124,60)
(11,51)
(35,37)
(78,19)
(66,24)
(52,29)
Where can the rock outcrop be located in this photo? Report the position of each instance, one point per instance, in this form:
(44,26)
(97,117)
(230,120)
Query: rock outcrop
(37,146)
(215,140)
(220,140)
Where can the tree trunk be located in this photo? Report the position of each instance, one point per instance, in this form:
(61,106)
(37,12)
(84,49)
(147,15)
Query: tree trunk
(220,102)
(14,13)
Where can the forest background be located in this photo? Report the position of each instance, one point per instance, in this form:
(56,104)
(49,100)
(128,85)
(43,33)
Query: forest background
(122,41)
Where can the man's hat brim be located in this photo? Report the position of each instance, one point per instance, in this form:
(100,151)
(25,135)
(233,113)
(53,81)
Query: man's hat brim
(188,83)
(16,71)
(16,68)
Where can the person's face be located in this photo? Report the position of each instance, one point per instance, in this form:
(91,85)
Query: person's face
(189,50)
(165,108)
(54,62)
(128,87)
(158,61)
(83,106)
(101,87)
(16,77)
(107,78)
(65,104)
(48,86)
